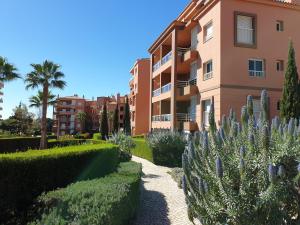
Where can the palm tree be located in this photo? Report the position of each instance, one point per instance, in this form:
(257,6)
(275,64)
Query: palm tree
(7,71)
(37,100)
(46,75)
(81,116)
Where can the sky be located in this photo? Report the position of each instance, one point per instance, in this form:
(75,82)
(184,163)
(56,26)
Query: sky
(95,41)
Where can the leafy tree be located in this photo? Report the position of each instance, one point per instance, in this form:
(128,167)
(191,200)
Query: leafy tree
(127,122)
(290,102)
(8,72)
(46,75)
(82,116)
(37,100)
(116,120)
(104,123)
(20,123)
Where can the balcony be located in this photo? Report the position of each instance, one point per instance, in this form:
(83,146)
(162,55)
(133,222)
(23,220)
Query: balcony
(187,55)
(162,65)
(187,120)
(187,88)
(162,118)
(162,93)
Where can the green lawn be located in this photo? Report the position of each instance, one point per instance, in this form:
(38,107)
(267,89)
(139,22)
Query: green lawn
(142,149)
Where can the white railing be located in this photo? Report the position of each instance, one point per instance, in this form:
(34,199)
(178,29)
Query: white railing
(166,88)
(156,93)
(185,117)
(255,73)
(183,83)
(208,76)
(163,61)
(161,118)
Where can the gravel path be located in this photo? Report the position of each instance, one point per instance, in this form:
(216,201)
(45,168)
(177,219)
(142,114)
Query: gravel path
(162,202)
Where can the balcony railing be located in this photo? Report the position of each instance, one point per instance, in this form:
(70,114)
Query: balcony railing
(255,73)
(182,84)
(156,93)
(163,61)
(166,88)
(185,117)
(162,118)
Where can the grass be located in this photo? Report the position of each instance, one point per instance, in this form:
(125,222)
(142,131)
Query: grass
(142,149)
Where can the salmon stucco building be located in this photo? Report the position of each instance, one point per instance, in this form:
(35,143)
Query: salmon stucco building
(221,49)
(139,97)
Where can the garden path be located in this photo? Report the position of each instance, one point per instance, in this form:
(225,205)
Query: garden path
(162,202)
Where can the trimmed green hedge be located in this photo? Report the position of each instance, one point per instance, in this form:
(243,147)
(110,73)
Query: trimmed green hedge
(112,200)
(14,144)
(25,175)
(65,143)
(142,149)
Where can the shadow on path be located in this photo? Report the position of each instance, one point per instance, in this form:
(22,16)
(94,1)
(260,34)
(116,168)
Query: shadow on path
(153,209)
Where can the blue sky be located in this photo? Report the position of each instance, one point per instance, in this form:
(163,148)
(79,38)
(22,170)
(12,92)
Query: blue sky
(95,41)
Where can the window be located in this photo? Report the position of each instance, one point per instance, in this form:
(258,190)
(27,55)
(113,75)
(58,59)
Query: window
(121,108)
(194,38)
(279,26)
(245,30)
(280,65)
(208,31)
(206,109)
(121,117)
(256,68)
(278,105)
(208,70)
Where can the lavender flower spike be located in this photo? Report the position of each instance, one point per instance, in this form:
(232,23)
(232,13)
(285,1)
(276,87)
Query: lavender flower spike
(219,167)
(272,173)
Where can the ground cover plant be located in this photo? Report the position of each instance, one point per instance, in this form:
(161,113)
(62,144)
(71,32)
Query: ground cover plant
(244,173)
(111,200)
(25,175)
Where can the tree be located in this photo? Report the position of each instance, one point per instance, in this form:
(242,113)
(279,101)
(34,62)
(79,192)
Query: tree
(81,116)
(37,100)
(104,123)
(46,75)
(20,123)
(290,102)
(127,122)
(116,120)
(7,71)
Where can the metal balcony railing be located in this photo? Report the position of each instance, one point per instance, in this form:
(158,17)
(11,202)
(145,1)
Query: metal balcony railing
(185,117)
(166,88)
(162,118)
(163,61)
(156,93)
(182,84)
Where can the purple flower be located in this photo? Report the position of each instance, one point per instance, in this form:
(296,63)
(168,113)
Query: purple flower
(244,115)
(281,171)
(250,105)
(266,136)
(242,166)
(222,133)
(219,167)
(298,167)
(272,173)
(184,185)
(205,144)
(291,126)
(242,152)
(251,139)
(205,185)
(201,186)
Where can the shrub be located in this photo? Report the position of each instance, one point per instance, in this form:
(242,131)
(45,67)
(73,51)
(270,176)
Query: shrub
(177,175)
(66,137)
(167,148)
(82,136)
(65,143)
(97,136)
(111,200)
(125,143)
(24,176)
(244,173)
(142,149)
(9,145)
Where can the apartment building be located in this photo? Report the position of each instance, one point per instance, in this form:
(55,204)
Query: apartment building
(226,49)
(1,97)
(139,97)
(112,102)
(65,114)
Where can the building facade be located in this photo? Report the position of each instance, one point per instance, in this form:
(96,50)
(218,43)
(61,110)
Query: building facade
(139,97)
(221,49)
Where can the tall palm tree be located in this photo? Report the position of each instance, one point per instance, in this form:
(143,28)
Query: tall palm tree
(81,116)
(8,72)
(37,100)
(47,76)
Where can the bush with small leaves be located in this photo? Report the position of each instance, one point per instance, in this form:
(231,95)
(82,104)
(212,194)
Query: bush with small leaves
(244,173)
(126,144)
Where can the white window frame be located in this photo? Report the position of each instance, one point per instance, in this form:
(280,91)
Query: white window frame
(279,65)
(279,26)
(208,75)
(194,38)
(256,73)
(207,36)
(248,32)
(205,111)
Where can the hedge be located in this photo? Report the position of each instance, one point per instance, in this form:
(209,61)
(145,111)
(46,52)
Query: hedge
(112,200)
(65,143)
(142,149)
(9,145)
(25,175)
